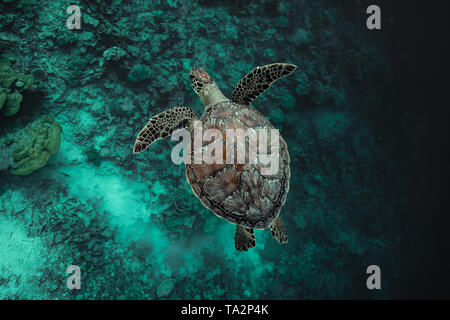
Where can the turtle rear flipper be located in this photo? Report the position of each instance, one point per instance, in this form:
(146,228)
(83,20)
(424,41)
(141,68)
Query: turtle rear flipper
(244,238)
(258,80)
(162,125)
(278,230)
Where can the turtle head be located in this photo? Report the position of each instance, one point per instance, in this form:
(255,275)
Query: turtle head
(200,79)
(205,87)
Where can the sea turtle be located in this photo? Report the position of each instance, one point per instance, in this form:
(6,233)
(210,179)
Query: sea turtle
(239,193)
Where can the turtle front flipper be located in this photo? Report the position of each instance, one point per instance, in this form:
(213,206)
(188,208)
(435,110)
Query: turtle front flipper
(244,238)
(162,125)
(257,81)
(278,230)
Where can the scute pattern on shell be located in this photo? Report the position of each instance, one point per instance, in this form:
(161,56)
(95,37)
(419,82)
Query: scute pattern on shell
(222,184)
(239,193)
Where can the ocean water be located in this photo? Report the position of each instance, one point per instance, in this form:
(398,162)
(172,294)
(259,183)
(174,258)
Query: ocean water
(131,222)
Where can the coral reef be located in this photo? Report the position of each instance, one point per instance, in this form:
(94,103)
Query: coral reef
(130,221)
(30,148)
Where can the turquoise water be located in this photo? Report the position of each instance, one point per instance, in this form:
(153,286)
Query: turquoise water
(131,222)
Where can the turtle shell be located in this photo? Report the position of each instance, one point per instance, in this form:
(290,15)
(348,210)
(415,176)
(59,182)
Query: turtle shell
(239,193)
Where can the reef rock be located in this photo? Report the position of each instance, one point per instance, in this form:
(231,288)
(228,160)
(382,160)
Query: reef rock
(139,73)
(165,288)
(114,54)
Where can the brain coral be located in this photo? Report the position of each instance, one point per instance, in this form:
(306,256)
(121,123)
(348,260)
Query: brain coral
(35,144)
